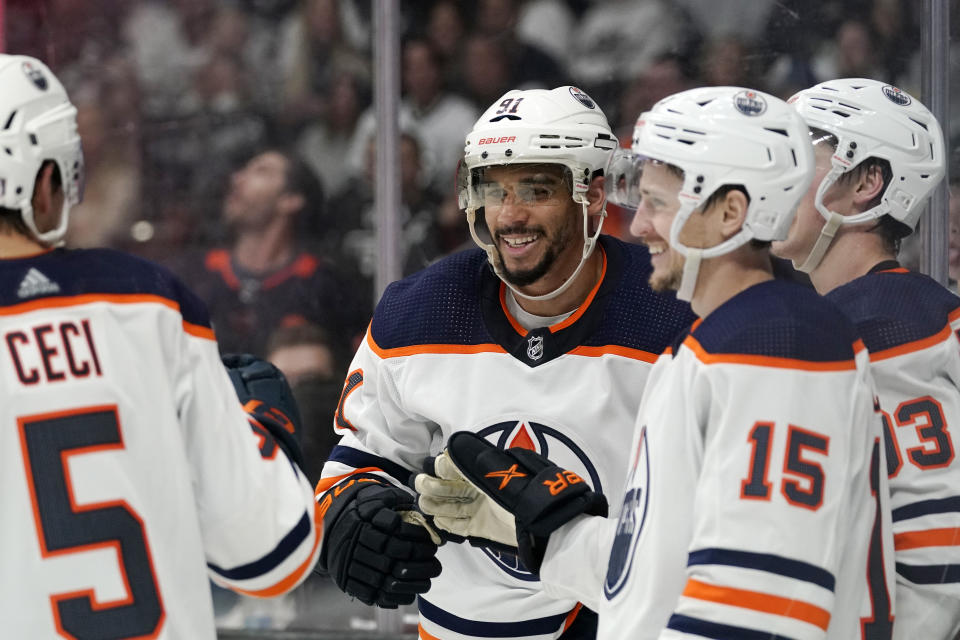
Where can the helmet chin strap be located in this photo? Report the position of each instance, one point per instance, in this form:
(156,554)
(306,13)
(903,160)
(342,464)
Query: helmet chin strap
(833,222)
(691,268)
(589,244)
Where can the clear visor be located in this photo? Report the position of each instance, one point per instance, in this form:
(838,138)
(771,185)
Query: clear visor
(623,179)
(521,184)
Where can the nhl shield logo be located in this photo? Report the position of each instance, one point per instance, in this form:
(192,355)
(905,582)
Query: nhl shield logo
(35,75)
(535,347)
(749,103)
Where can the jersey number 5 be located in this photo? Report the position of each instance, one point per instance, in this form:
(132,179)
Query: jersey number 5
(803,481)
(65,527)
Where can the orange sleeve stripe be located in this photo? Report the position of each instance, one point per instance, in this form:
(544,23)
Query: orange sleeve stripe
(766,603)
(326,483)
(617,350)
(416,349)
(917,345)
(765,361)
(929,538)
(198,330)
(288,583)
(572,616)
(424,635)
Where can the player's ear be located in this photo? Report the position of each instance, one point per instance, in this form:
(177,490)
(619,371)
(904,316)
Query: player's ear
(868,187)
(596,196)
(733,212)
(43,191)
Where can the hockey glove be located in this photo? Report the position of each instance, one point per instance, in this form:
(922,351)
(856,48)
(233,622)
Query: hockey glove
(268,400)
(540,495)
(376,547)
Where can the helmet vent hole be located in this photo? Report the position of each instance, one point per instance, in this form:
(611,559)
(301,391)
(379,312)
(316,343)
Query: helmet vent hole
(849,106)
(33,139)
(793,153)
(10,120)
(8,151)
(704,103)
(688,142)
(841,113)
(921,124)
(782,132)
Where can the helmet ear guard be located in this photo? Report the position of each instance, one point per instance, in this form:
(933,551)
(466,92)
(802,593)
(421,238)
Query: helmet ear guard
(562,126)
(39,124)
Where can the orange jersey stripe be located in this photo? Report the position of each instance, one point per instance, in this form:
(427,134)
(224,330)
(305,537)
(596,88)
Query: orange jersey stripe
(576,315)
(198,330)
(463,349)
(326,483)
(288,582)
(789,608)
(617,350)
(766,361)
(572,616)
(424,635)
(917,345)
(929,538)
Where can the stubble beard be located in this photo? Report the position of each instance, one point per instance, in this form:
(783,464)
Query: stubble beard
(555,246)
(670,278)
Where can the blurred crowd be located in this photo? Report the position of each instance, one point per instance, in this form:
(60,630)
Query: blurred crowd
(234,140)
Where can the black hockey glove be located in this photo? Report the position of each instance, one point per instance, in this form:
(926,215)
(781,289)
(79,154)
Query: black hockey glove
(479,489)
(268,400)
(376,546)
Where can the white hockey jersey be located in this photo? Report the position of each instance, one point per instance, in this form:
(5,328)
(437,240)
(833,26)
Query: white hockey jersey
(443,354)
(130,472)
(753,506)
(910,326)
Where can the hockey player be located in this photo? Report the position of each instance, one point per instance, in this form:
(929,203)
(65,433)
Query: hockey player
(130,472)
(752,505)
(879,154)
(542,340)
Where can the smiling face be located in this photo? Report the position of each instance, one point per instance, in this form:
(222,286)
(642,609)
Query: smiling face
(659,203)
(533,221)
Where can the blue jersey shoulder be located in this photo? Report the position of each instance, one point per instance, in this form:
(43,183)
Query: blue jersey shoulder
(893,308)
(778,319)
(635,316)
(438,305)
(77,272)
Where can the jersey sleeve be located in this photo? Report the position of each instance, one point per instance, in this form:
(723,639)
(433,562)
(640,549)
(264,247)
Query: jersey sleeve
(379,435)
(576,560)
(783,512)
(256,508)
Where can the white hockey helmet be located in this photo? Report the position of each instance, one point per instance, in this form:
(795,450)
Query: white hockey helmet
(561,126)
(872,119)
(721,136)
(37,123)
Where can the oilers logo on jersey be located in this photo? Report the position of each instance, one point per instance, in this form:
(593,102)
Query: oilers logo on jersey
(633,515)
(546,441)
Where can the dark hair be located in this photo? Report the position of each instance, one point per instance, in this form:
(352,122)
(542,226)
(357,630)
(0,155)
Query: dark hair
(891,230)
(300,179)
(721,193)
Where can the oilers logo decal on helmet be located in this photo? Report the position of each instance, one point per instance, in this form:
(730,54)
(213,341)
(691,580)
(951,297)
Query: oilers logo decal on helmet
(896,95)
(630,523)
(582,98)
(36,75)
(749,103)
(546,441)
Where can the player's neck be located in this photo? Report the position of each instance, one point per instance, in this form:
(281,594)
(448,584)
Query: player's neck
(723,277)
(265,250)
(570,299)
(851,255)
(15,245)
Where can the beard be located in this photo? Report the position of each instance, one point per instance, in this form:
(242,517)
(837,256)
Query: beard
(555,246)
(668,279)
